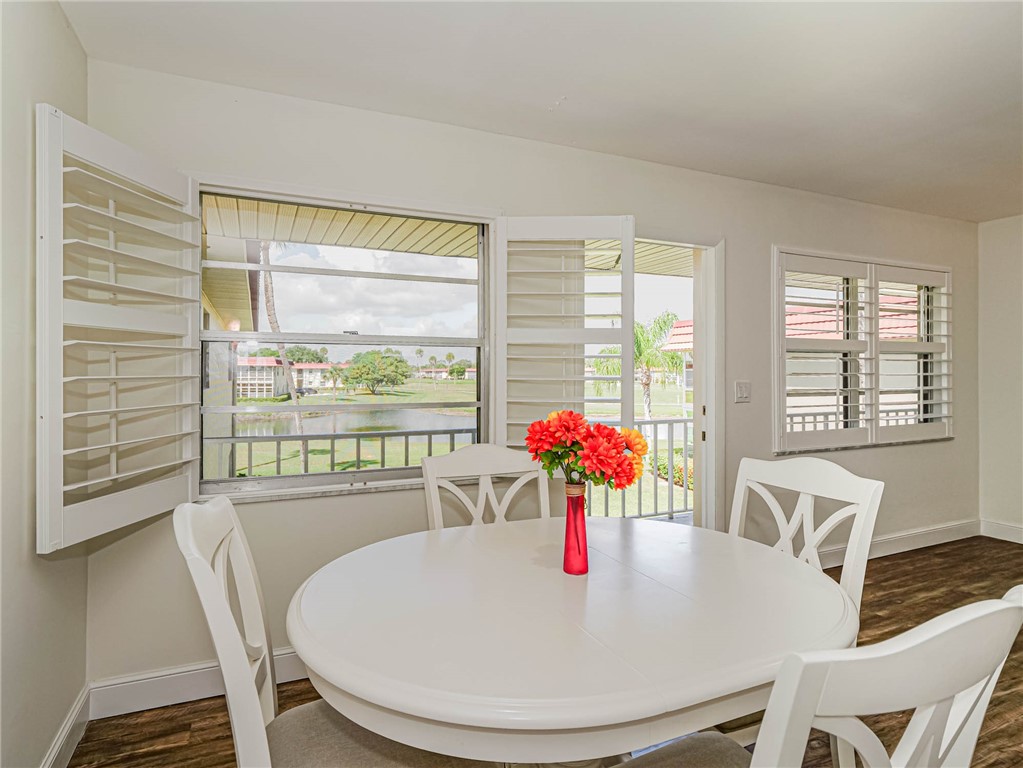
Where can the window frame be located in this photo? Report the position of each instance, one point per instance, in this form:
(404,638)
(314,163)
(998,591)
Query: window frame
(936,428)
(275,487)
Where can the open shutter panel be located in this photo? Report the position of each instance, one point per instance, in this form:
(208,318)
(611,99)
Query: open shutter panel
(118,318)
(564,318)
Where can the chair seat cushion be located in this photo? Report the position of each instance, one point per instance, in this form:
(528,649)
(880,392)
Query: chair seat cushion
(315,735)
(701,750)
(738,723)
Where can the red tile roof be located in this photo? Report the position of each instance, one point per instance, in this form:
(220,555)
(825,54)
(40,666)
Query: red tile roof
(816,324)
(272,362)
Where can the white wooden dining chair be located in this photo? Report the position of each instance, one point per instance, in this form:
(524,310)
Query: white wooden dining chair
(945,670)
(812,479)
(481,463)
(312,735)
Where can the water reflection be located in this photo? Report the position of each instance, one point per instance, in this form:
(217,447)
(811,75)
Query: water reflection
(383,420)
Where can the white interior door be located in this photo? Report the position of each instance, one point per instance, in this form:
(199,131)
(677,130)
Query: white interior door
(564,320)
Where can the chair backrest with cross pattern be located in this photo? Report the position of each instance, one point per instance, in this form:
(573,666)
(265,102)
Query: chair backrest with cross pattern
(811,479)
(945,670)
(481,463)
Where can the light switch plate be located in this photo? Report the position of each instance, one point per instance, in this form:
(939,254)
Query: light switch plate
(742,391)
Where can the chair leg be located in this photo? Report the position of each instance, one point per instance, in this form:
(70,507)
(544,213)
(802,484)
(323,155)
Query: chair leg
(842,753)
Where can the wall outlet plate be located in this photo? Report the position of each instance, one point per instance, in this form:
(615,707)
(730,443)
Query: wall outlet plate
(743,389)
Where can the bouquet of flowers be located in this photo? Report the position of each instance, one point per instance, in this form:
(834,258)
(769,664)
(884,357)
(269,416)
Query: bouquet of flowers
(585,452)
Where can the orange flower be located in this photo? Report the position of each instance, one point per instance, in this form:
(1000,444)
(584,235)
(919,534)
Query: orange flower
(637,462)
(635,441)
(567,427)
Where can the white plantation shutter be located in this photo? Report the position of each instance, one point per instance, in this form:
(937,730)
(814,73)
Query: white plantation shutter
(564,315)
(862,353)
(118,318)
(823,334)
(915,354)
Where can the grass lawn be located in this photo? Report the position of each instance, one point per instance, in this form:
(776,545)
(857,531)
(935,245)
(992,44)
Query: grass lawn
(665,401)
(412,391)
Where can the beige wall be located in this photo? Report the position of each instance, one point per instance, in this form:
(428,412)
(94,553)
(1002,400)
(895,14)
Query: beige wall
(1001,371)
(42,600)
(142,612)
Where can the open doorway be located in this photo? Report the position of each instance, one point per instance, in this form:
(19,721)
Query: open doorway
(663,386)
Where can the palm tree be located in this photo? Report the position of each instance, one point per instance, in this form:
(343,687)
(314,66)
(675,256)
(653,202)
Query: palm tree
(450,358)
(647,356)
(333,375)
(275,327)
(419,361)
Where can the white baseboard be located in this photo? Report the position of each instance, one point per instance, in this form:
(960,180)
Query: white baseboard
(70,732)
(162,687)
(1003,531)
(904,541)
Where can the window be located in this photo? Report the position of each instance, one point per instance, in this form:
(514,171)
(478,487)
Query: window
(342,345)
(863,353)
(254,344)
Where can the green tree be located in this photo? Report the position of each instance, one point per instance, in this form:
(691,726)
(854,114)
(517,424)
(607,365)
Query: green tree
(419,358)
(449,358)
(375,368)
(648,356)
(296,354)
(458,369)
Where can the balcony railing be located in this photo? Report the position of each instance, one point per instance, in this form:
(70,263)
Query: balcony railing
(265,455)
(671,451)
(241,459)
(813,421)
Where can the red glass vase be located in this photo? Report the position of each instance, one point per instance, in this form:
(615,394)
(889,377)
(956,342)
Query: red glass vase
(576,558)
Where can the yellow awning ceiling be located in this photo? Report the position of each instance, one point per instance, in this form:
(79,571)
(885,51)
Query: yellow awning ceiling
(230,293)
(246,219)
(651,257)
(288,223)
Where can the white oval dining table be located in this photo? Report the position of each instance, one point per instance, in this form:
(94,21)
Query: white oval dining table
(472,642)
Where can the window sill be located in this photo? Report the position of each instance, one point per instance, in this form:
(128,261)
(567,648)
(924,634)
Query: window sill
(316,491)
(891,444)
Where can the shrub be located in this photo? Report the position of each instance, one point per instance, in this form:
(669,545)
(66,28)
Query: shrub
(680,475)
(277,399)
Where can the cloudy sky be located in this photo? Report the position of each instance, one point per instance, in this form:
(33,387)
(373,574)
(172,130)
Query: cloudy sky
(325,304)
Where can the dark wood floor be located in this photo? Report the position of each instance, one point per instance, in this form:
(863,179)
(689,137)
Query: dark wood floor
(900,592)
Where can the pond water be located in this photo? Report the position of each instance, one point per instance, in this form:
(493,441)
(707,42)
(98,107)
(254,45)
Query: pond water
(383,420)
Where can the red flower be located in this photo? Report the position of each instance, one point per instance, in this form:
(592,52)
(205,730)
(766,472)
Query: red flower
(539,438)
(567,427)
(609,435)
(599,457)
(624,472)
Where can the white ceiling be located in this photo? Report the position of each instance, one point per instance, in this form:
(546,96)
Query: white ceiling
(912,105)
